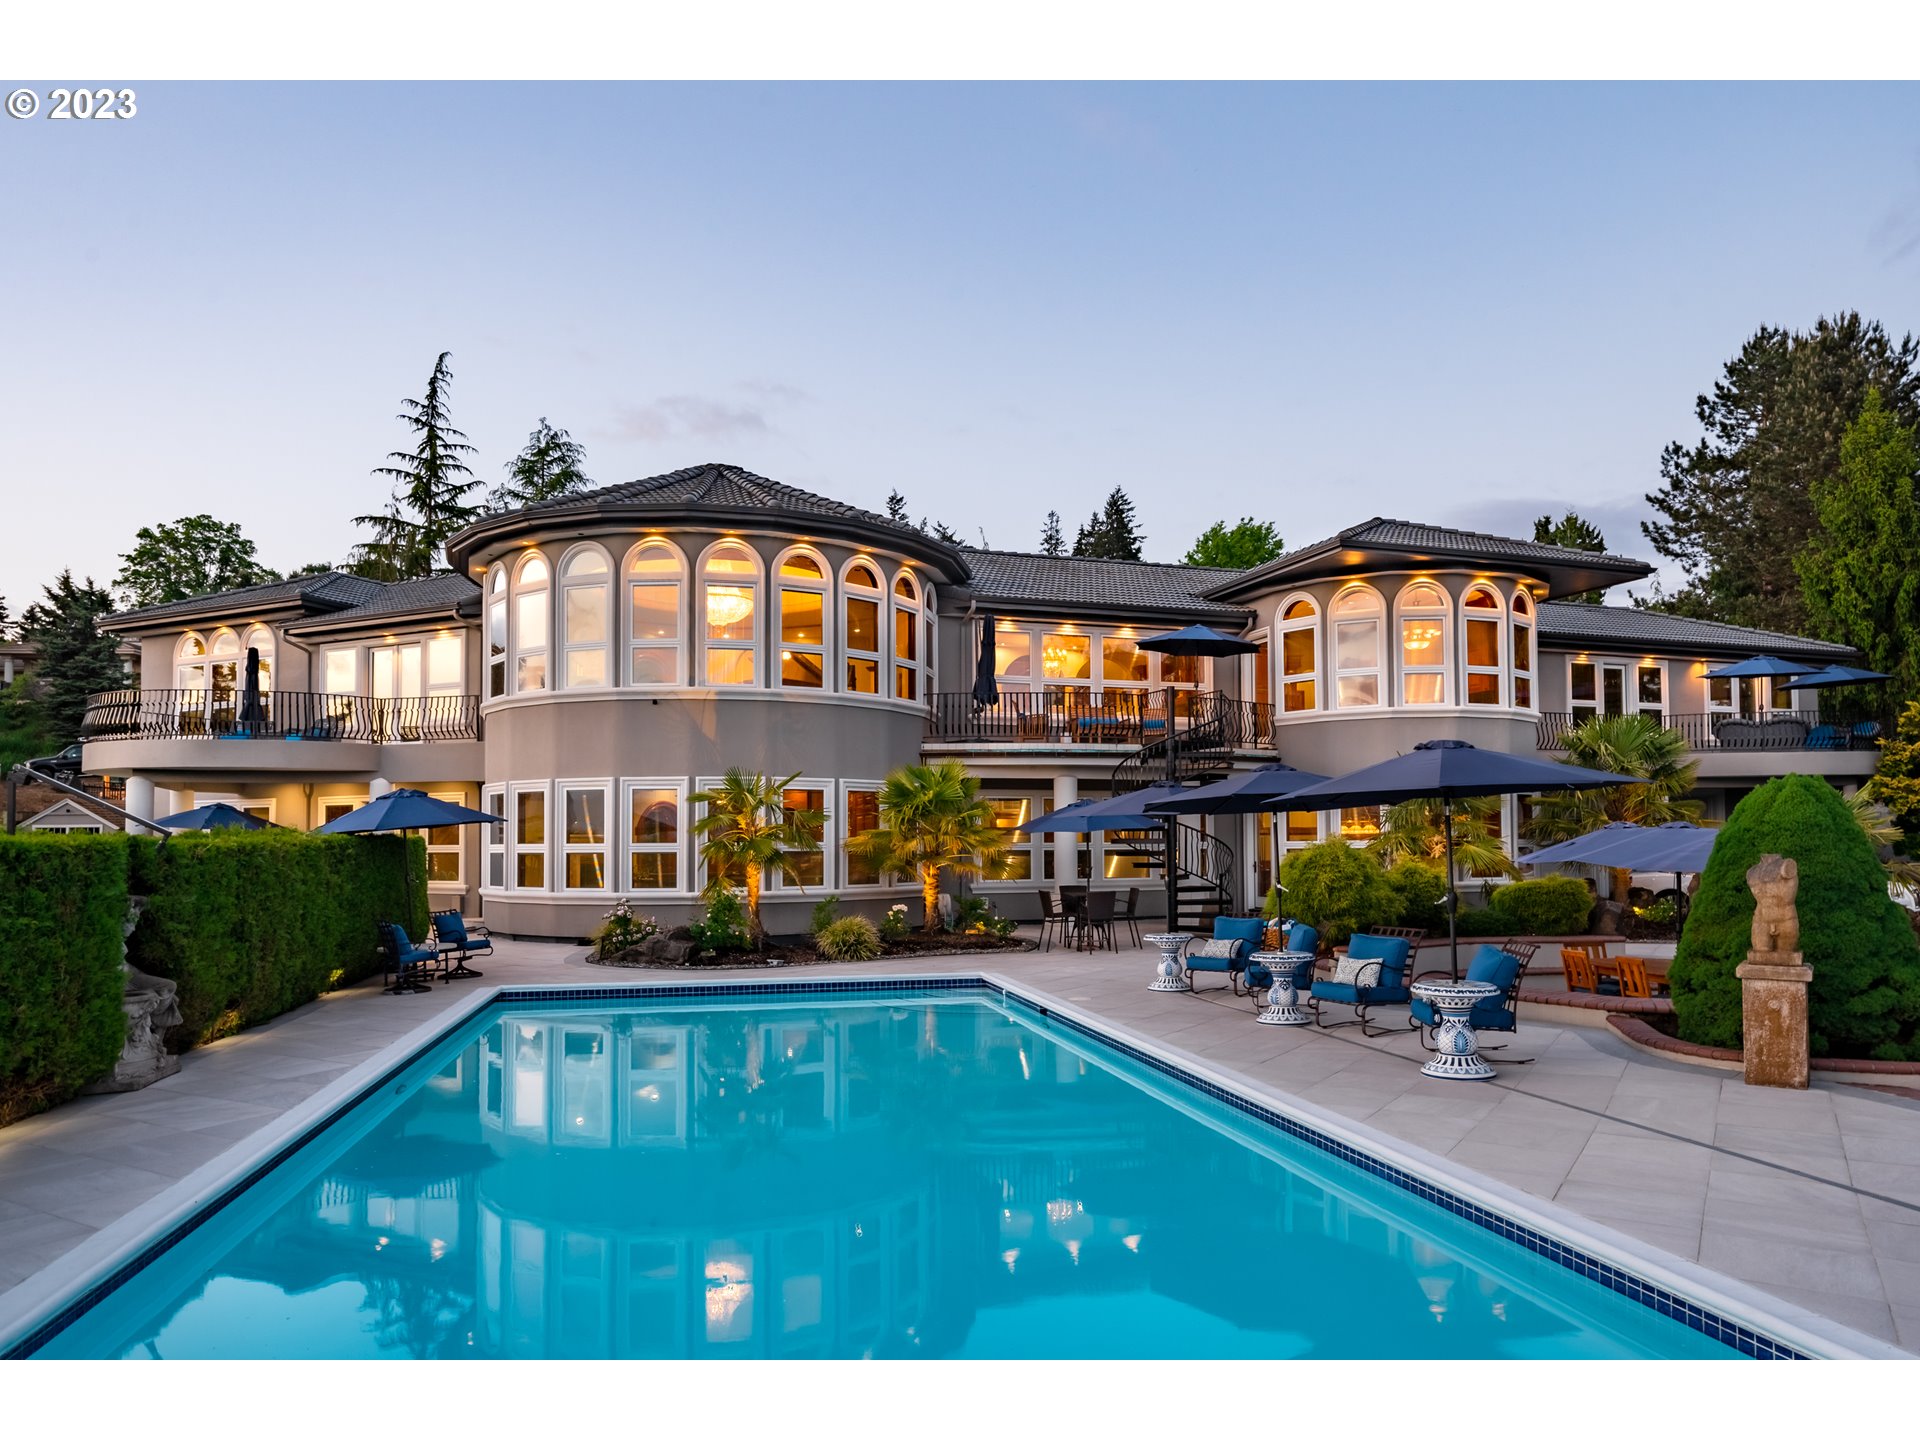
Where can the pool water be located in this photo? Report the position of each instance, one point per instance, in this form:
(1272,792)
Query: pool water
(921,1175)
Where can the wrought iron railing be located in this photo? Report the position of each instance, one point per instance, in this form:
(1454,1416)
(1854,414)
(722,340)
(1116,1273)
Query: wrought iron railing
(1779,730)
(278,715)
(1197,718)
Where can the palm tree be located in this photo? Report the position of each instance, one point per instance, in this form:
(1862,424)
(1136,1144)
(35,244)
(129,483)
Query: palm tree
(748,833)
(932,820)
(1636,745)
(1415,830)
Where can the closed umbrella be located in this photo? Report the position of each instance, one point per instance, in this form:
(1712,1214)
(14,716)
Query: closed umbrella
(1449,770)
(217,816)
(252,713)
(402,811)
(986,685)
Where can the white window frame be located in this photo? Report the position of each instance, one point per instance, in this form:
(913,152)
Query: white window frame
(1310,622)
(840,836)
(631,786)
(1497,618)
(1035,847)
(1519,619)
(1378,619)
(321,802)
(253,640)
(821,649)
(929,650)
(756,586)
(494,636)
(1403,611)
(515,850)
(1640,707)
(524,647)
(850,591)
(564,848)
(186,663)
(1252,668)
(907,667)
(628,641)
(264,809)
(458,849)
(780,884)
(494,839)
(564,584)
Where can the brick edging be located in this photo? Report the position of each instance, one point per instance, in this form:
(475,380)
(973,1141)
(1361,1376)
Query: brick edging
(1639,1032)
(1614,1004)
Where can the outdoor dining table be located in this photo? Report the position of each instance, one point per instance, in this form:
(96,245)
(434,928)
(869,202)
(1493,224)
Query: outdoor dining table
(1607,966)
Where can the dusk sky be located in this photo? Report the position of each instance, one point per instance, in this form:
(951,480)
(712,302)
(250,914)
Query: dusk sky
(1307,303)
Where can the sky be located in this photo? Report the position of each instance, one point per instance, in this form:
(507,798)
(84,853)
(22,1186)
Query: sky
(1308,303)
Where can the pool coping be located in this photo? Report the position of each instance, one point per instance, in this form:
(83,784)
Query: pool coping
(1738,1315)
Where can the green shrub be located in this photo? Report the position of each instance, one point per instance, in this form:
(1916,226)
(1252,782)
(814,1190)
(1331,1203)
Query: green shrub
(1420,888)
(851,937)
(1270,907)
(250,924)
(621,929)
(1483,922)
(1337,890)
(63,905)
(722,926)
(1551,905)
(1865,995)
(824,914)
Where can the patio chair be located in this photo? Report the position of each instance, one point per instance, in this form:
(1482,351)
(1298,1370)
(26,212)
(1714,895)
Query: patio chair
(1373,974)
(1234,939)
(1097,919)
(1579,964)
(406,962)
(1864,736)
(1129,914)
(460,941)
(1073,903)
(1634,980)
(1826,737)
(1491,965)
(1052,918)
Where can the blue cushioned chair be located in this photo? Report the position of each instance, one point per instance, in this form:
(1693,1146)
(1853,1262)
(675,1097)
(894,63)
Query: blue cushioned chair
(1491,965)
(1382,981)
(1826,737)
(459,942)
(1242,935)
(407,963)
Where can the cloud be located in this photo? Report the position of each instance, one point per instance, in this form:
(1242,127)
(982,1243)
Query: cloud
(699,416)
(1112,129)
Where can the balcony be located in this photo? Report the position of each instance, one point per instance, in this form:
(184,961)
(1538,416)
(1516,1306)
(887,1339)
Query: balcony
(1115,718)
(1718,733)
(278,715)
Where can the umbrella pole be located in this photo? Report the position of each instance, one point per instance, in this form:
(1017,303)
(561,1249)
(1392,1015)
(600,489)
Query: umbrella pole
(1168,874)
(1453,899)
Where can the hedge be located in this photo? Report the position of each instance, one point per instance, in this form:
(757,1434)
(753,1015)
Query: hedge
(252,924)
(1484,922)
(1865,997)
(1337,890)
(1551,905)
(63,905)
(1420,887)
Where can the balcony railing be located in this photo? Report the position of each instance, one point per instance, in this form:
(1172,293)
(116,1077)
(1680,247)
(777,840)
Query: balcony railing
(1780,730)
(1112,717)
(278,715)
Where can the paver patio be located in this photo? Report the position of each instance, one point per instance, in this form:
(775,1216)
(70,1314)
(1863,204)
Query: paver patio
(1813,1196)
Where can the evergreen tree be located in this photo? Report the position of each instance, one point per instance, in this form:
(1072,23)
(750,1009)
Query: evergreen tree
(1896,777)
(1737,505)
(195,555)
(897,508)
(546,469)
(1111,533)
(1572,531)
(430,498)
(942,531)
(1236,547)
(76,660)
(1857,571)
(6,623)
(1050,541)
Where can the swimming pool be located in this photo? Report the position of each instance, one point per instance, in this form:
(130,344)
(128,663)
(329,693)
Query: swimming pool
(842,1171)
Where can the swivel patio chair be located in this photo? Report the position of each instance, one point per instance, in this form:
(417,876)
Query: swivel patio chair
(1491,965)
(1234,940)
(1373,974)
(406,962)
(460,941)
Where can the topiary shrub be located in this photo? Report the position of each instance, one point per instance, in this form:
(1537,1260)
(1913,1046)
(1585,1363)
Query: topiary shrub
(1420,888)
(63,905)
(851,937)
(1337,890)
(1551,905)
(1865,995)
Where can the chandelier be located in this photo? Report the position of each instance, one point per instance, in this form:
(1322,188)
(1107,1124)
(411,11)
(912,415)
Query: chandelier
(728,604)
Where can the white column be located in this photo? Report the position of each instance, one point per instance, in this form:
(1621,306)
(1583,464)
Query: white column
(1066,843)
(377,787)
(6,669)
(182,800)
(139,802)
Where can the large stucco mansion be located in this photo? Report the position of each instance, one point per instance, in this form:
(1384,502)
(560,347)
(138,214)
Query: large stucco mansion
(592,662)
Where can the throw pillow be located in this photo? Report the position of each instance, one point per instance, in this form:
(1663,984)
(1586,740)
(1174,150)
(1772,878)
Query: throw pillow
(1216,949)
(1347,970)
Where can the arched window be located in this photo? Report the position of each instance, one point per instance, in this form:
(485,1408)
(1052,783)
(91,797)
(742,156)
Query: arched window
(530,625)
(730,610)
(190,663)
(497,631)
(1484,621)
(1299,656)
(258,639)
(1422,611)
(224,666)
(654,575)
(1356,648)
(929,654)
(804,607)
(1522,650)
(865,603)
(906,638)
(585,625)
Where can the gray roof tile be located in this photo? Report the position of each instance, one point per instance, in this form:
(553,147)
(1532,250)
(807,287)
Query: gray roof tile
(1620,627)
(330,589)
(431,592)
(1011,577)
(723,487)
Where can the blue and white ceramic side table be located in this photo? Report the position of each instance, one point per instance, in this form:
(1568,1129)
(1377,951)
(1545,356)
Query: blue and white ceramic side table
(1170,975)
(1457,1053)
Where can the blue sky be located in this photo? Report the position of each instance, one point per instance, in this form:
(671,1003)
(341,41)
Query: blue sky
(1309,303)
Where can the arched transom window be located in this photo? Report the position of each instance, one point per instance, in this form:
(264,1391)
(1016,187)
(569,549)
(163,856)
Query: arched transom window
(1299,656)
(804,606)
(585,628)
(1522,650)
(730,609)
(530,617)
(1423,645)
(1484,622)
(497,631)
(1356,648)
(654,573)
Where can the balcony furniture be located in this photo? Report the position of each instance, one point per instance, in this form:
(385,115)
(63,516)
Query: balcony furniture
(1233,940)
(1052,918)
(1827,737)
(408,966)
(1775,732)
(1031,727)
(460,941)
(1499,969)
(1865,735)
(1373,973)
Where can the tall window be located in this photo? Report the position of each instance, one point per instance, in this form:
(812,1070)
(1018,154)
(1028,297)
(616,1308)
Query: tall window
(493,838)
(584,841)
(1122,661)
(1262,662)
(530,839)
(190,663)
(446,672)
(223,668)
(1650,688)
(260,640)
(444,845)
(803,620)
(1356,648)
(906,639)
(1066,659)
(864,600)
(1423,645)
(530,625)
(653,615)
(653,836)
(809,868)
(1010,812)
(862,810)
(1484,624)
(584,620)
(1013,653)
(1522,650)
(497,631)
(730,609)
(1299,656)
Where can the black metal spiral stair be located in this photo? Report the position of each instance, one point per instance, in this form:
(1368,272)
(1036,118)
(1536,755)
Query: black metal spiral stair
(1196,747)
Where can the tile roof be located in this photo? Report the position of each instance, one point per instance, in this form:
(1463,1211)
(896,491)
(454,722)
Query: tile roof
(1616,626)
(721,487)
(432,592)
(1013,577)
(330,589)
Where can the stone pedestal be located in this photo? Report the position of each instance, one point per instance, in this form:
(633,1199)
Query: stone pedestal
(1773,1009)
(151,1008)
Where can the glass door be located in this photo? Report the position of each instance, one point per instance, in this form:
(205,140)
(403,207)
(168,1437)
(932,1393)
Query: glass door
(397,691)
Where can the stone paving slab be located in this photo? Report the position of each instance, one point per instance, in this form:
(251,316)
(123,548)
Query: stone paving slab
(1812,1196)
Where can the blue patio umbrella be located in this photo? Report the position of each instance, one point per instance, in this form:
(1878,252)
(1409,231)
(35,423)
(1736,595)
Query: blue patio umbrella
(986,686)
(1123,812)
(1678,845)
(1197,640)
(1835,675)
(1449,770)
(1251,792)
(1758,665)
(217,816)
(404,810)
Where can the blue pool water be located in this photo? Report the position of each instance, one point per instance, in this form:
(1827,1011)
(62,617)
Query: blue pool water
(918,1175)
